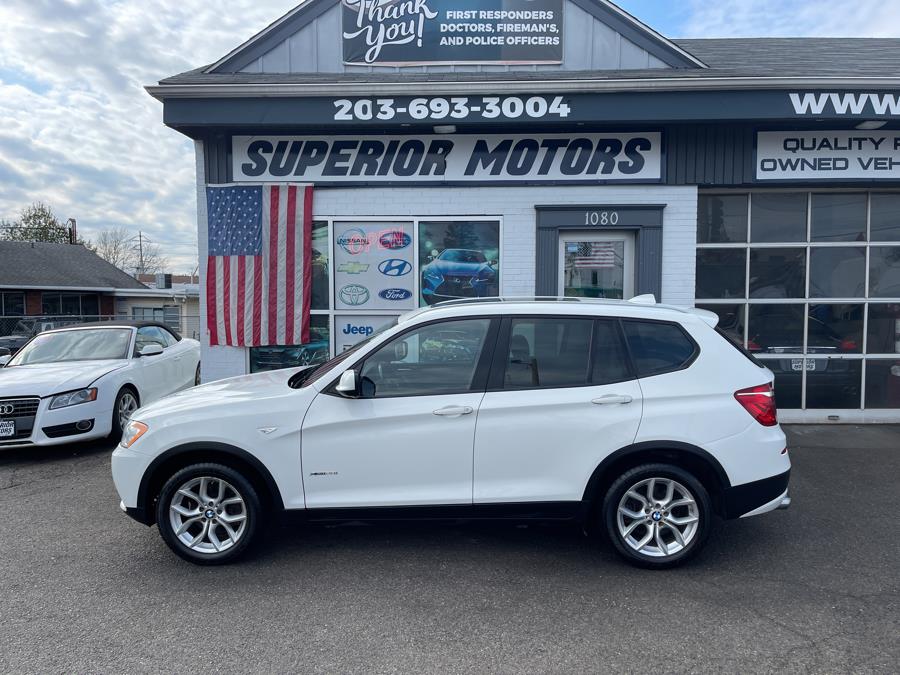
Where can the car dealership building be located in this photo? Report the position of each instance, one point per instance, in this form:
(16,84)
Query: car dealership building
(561,147)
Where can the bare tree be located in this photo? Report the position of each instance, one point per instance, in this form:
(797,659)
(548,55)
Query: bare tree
(133,253)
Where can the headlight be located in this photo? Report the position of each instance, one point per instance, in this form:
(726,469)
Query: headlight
(433,274)
(132,432)
(73,398)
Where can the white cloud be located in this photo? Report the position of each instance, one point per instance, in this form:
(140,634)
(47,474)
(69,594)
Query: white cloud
(789,18)
(78,130)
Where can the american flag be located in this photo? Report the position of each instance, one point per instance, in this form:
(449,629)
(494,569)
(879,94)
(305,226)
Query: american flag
(259,270)
(595,254)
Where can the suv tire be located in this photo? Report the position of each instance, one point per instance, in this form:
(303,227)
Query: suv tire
(208,514)
(657,515)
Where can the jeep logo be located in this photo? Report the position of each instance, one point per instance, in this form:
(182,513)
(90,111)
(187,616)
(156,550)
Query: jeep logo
(350,329)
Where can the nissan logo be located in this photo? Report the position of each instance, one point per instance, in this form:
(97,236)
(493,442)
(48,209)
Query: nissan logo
(7,408)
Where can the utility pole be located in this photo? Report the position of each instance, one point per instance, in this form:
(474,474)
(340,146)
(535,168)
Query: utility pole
(140,252)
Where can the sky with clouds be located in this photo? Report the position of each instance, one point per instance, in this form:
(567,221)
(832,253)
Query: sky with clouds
(78,131)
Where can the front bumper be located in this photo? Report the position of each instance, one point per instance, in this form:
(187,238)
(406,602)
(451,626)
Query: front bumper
(757,497)
(56,427)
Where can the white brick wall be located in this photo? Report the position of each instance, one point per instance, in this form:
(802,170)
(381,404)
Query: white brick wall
(516,206)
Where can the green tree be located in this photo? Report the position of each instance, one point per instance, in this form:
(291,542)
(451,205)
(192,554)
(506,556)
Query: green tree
(37,223)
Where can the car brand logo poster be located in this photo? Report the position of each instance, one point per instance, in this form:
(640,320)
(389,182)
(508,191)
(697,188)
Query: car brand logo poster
(458,259)
(378,257)
(452,31)
(351,329)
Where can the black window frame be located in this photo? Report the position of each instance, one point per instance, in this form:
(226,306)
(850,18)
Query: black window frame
(482,367)
(496,379)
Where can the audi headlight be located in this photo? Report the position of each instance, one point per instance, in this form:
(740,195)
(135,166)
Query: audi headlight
(132,433)
(73,398)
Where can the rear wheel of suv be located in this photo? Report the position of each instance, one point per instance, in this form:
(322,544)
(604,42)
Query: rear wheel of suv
(657,515)
(208,514)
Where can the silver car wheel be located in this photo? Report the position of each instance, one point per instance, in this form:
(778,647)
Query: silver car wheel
(658,517)
(127,405)
(208,515)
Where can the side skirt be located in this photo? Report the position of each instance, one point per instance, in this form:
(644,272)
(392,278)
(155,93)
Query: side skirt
(518,511)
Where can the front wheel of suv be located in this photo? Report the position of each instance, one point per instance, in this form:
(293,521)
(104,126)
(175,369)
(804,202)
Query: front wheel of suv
(208,514)
(657,515)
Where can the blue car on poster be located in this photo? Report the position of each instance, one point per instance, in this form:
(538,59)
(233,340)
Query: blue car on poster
(458,273)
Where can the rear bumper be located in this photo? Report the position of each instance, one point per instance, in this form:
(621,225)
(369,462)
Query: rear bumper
(757,497)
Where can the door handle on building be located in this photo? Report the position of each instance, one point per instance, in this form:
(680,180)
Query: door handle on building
(454,411)
(612,398)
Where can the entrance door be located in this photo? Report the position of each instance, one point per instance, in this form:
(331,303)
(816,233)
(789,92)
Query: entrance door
(596,265)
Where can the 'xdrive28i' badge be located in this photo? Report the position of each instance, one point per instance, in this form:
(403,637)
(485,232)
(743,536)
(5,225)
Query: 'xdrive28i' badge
(354,295)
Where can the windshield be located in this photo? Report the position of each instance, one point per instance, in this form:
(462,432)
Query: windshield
(75,345)
(459,255)
(310,375)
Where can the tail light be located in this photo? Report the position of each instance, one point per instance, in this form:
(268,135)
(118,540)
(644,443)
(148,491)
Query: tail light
(753,346)
(759,401)
(849,345)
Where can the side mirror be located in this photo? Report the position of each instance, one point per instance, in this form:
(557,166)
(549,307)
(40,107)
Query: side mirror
(348,385)
(150,350)
(6,358)
(401,350)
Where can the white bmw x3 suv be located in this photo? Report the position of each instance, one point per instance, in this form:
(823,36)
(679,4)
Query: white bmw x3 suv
(639,420)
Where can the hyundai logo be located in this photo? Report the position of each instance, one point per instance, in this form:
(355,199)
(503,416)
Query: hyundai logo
(354,295)
(394,267)
(7,409)
(394,240)
(395,294)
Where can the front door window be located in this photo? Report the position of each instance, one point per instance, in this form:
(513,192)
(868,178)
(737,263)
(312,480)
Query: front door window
(596,266)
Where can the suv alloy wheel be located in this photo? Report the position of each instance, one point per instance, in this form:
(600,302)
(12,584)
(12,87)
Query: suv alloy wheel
(657,515)
(208,513)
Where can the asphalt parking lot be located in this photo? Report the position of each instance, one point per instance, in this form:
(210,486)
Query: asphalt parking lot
(815,588)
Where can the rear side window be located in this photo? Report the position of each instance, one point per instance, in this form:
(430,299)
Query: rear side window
(610,358)
(658,347)
(548,352)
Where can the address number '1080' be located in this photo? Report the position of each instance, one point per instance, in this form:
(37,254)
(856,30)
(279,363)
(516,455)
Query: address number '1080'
(456,107)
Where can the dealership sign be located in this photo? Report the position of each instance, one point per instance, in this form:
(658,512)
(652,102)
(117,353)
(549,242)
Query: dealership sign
(393,32)
(591,158)
(827,155)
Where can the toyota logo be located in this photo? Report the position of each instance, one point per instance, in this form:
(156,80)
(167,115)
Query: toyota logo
(354,295)
(394,267)
(7,409)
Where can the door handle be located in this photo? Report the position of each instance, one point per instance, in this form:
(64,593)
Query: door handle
(612,398)
(454,411)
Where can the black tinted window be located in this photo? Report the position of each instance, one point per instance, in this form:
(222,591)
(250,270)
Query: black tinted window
(610,359)
(657,347)
(440,358)
(548,352)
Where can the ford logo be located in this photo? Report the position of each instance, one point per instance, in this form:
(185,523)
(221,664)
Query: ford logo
(394,267)
(394,240)
(395,294)
(7,409)
(354,295)
(353,241)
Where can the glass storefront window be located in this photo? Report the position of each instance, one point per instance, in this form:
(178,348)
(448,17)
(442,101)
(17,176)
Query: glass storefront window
(778,273)
(837,272)
(882,383)
(319,291)
(778,217)
(884,272)
(884,329)
(731,320)
(885,216)
(722,218)
(833,383)
(834,329)
(788,382)
(458,259)
(721,273)
(775,329)
(278,356)
(838,216)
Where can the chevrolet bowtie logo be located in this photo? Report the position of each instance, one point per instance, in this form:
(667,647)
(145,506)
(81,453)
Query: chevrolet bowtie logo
(353,267)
